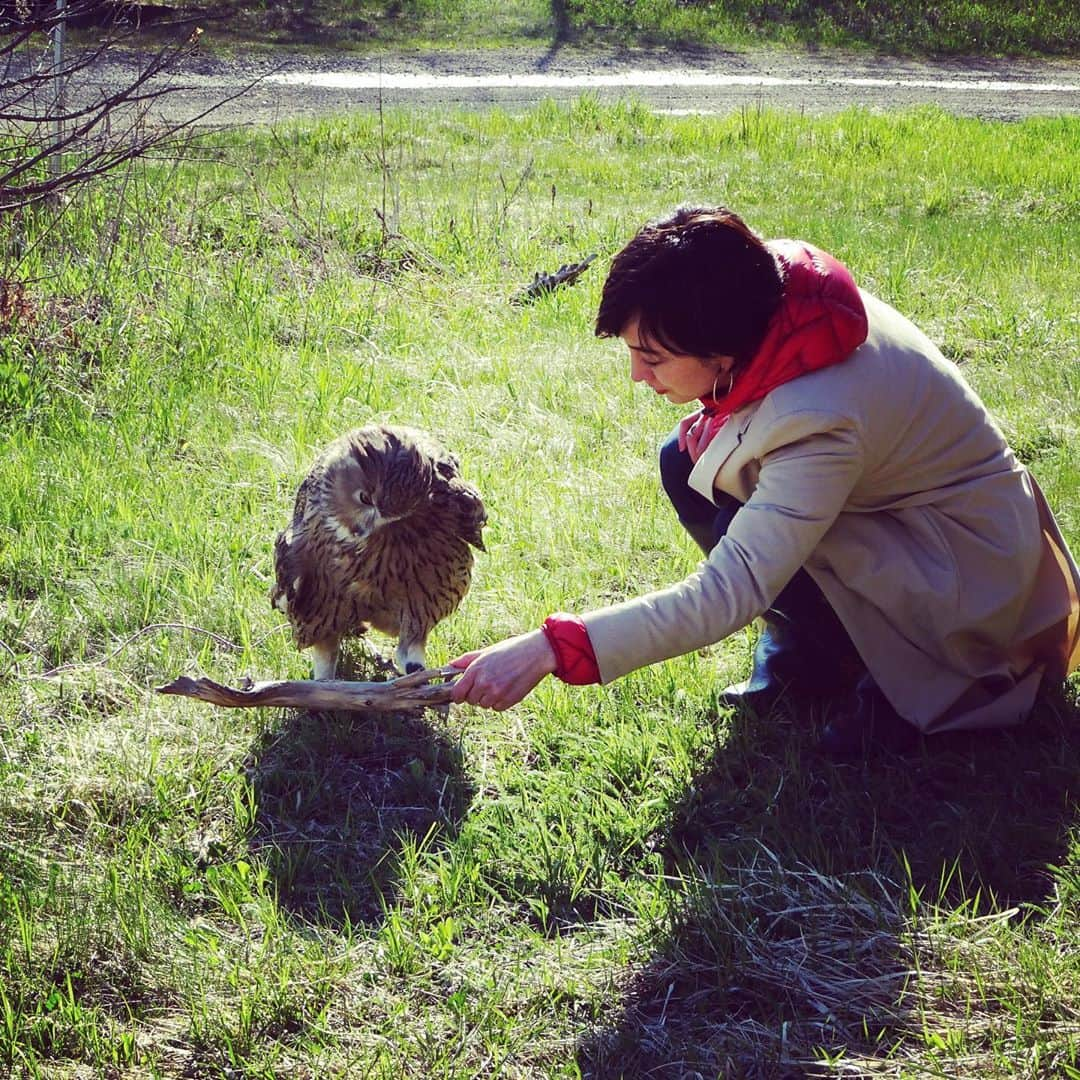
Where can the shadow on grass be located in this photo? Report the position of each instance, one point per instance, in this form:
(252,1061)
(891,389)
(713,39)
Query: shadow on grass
(339,797)
(970,812)
(342,26)
(793,929)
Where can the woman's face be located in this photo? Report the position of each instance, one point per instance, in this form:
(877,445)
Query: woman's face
(677,377)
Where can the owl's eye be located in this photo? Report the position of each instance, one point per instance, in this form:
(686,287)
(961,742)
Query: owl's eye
(362,497)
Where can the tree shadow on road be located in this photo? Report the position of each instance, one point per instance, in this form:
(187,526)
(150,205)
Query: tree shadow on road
(561,34)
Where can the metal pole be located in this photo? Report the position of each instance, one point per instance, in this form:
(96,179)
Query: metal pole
(56,160)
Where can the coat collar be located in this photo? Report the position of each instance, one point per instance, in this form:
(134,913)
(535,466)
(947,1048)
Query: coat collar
(724,443)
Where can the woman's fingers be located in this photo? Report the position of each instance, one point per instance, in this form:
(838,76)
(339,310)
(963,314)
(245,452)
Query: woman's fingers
(686,426)
(500,676)
(465,659)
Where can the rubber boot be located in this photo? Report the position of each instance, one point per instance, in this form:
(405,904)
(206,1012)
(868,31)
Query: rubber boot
(865,722)
(803,652)
(773,672)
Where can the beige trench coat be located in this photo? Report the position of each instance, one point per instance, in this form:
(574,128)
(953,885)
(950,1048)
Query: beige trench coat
(887,479)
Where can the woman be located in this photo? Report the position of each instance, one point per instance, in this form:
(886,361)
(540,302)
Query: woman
(843,481)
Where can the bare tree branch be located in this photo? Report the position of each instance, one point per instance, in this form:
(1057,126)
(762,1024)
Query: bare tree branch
(48,145)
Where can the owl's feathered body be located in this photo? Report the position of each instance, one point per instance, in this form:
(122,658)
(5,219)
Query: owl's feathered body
(381,536)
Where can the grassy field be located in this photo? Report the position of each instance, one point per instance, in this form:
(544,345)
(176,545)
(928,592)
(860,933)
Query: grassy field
(602,882)
(963,27)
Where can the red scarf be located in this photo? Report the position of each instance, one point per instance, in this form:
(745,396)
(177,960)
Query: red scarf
(821,321)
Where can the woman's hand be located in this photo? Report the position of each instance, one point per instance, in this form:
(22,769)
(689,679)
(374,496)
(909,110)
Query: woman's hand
(501,675)
(687,427)
(695,433)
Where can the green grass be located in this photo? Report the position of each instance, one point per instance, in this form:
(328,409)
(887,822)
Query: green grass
(956,27)
(601,882)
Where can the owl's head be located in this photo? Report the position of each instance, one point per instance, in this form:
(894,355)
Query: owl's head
(376,475)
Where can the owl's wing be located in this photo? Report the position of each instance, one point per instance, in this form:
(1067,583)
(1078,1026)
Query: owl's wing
(470,517)
(295,592)
(447,467)
(304,501)
(297,553)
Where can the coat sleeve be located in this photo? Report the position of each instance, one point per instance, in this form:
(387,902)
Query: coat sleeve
(807,472)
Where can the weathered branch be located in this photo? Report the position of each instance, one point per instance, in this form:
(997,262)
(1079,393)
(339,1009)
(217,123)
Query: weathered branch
(414,691)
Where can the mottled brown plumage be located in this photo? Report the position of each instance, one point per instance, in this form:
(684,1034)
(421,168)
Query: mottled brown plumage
(380,536)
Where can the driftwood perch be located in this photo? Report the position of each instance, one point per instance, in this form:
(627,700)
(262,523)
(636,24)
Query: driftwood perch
(413,691)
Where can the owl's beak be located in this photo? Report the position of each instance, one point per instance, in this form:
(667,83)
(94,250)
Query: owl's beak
(366,522)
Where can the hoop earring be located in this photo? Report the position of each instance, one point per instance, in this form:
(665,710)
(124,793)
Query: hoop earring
(731,383)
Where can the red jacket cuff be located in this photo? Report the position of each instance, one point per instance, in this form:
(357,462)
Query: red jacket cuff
(575,661)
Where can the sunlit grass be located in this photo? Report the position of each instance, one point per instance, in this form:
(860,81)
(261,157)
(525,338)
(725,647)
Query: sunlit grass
(955,26)
(601,881)
(963,27)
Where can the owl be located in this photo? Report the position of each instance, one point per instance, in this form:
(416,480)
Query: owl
(381,536)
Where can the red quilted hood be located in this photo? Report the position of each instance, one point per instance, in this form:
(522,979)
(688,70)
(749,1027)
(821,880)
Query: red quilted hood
(821,321)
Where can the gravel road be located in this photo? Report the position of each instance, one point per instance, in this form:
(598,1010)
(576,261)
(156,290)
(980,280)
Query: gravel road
(293,85)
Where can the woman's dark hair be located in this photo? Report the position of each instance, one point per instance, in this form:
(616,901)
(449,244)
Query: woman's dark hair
(701,283)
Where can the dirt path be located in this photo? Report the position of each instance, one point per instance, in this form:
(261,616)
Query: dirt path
(294,85)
